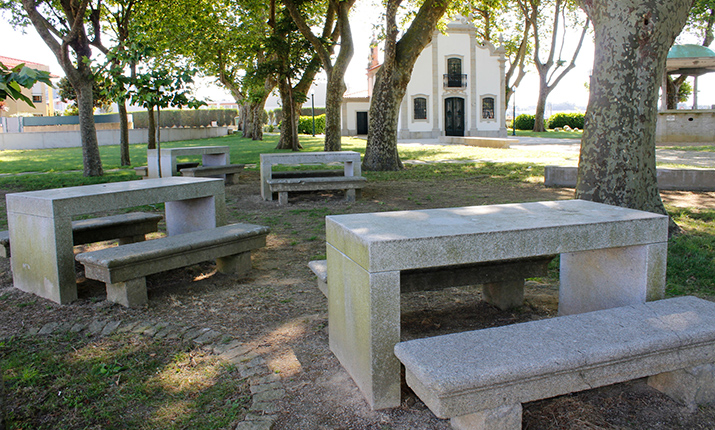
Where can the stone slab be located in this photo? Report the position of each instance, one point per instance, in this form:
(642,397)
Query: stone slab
(668,179)
(122,263)
(458,374)
(403,240)
(485,142)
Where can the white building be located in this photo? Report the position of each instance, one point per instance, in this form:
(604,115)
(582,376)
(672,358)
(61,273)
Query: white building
(457,89)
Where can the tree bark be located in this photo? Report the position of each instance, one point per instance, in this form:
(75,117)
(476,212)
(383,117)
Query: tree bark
(246,120)
(124,158)
(392,79)
(289,122)
(151,138)
(79,74)
(90,147)
(617,160)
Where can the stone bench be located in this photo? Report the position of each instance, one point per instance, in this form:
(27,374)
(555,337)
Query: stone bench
(349,179)
(351,184)
(229,172)
(502,282)
(128,228)
(480,379)
(484,142)
(668,179)
(123,268)
(143,171)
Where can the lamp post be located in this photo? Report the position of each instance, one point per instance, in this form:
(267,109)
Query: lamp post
(513,115)
(312,109)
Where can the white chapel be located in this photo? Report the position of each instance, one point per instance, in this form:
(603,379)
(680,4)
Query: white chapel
(457,89)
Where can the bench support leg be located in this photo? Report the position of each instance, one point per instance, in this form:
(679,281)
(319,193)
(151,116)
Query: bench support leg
(131,293)
(502,418)
(238,264)
(283,198)
(350,195)
(231,179)
(505,294)
(693,386)
(131,239)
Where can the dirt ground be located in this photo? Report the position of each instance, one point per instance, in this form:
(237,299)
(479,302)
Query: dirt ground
(278,309)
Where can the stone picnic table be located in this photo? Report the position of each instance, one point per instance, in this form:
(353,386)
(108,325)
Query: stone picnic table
(210,156)
(40,224)
(610,257)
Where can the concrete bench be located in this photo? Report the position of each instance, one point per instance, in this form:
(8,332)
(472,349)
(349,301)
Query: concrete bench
(123,268)
(351,185)
(668,179)
(484,142)
(128,228)
(480,379)
(229,172)
(495,278)
(311,180)
(143,171)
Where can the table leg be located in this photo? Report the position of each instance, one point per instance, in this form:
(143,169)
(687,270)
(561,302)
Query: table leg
(609,278)
(364,326)
(183,216)
(168,165)
(42,257)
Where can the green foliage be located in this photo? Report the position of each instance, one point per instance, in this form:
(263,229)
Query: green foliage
(684,92)
(524,122)
(99,92)
(188,118)
(13,80)
(305,124)
(573,120)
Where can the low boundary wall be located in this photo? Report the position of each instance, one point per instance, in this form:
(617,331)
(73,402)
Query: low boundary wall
(71,139)
(668,179)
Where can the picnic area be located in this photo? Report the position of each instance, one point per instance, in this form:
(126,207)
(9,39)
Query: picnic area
(251,349)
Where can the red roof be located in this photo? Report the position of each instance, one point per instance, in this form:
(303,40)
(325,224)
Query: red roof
(12,62)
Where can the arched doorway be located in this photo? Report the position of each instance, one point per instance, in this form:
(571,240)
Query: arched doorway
(454,116)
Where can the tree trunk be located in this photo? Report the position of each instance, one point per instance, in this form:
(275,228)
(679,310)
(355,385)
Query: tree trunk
(247,120)
(392,79)
(617,160)
(123,134)
(289,122)
(673,90)
(88,131)
(152,129)
(540,114)
(381,150)
(258,110)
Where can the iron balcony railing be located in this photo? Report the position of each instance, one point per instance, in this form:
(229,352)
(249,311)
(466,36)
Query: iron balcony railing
(455,81)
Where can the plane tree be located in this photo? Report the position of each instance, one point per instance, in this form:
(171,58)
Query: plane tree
(617,159)
(69,28)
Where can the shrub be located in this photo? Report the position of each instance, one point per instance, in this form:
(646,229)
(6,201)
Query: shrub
(524,122)
(573,120)
(305,124)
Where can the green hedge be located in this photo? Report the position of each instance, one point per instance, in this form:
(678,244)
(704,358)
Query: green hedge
(573,120)
(305,124)
(187,117)
(524,122)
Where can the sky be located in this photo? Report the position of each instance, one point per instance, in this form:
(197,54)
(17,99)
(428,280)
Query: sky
(572,89)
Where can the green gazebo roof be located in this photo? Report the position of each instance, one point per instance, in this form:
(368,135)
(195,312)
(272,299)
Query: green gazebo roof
(690,60)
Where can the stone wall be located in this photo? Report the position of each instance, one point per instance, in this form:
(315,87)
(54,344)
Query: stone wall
(686,126)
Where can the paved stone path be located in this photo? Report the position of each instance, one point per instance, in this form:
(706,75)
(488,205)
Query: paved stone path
(266,387)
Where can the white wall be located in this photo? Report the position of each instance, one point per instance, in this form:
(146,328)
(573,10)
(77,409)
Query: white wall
(71,139)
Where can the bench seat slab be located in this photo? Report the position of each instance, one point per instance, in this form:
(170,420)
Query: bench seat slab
(456,375)
(122,263)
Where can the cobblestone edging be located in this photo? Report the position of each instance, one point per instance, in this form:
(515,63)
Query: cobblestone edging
(266,387)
